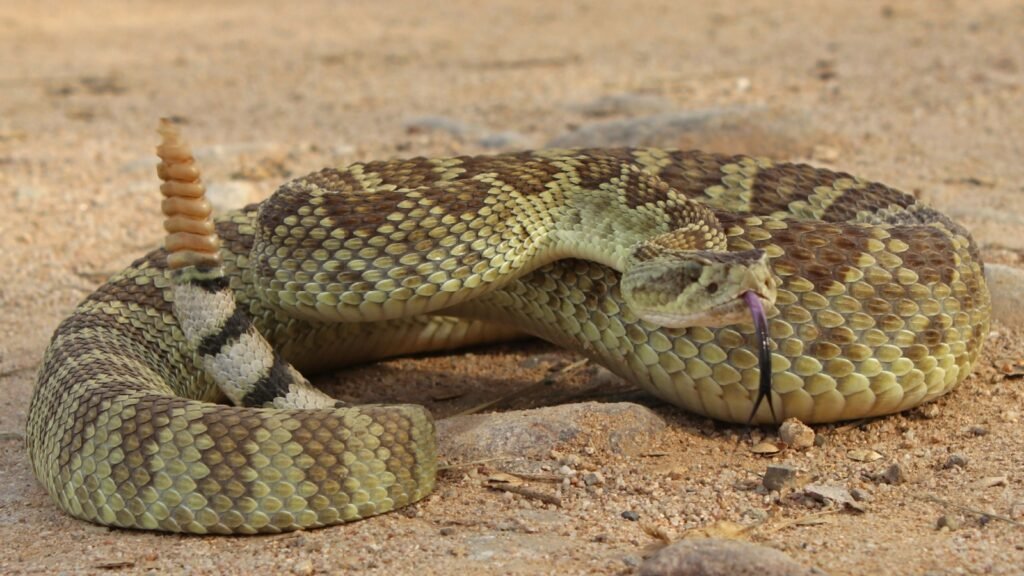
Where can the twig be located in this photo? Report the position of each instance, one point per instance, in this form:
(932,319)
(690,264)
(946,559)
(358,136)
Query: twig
(801,520)
(969,510)
(529,493)
(458,465)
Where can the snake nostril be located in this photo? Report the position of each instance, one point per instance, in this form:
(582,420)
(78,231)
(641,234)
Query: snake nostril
(712,288)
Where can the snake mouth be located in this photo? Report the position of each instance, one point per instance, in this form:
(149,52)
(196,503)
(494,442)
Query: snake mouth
(764,388)
(727,312)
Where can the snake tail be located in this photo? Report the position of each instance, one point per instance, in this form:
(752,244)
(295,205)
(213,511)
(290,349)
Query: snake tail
(124,430)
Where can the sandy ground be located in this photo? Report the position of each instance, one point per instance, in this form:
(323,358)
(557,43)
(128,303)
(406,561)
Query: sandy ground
(924,95)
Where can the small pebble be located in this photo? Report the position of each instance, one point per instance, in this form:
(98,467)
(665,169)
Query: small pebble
(303,567)
(1017,511)
(955,461)
(593,479)
(756,514)
(630,515)
(571,460)
(631,561)
(796,434)
(977,430)
(861,495)
(990,481)
(779,477)
(894,474)
(765,448)
(951,523)
(823,153)
(863,455)
(447,530)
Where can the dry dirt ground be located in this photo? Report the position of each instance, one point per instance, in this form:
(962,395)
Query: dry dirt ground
(925,95)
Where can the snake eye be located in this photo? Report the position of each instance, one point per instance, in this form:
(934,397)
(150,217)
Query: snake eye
(712,288)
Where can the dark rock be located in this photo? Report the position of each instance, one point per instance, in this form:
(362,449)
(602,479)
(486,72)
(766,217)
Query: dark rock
(955,461)
(894,474)
(779,477)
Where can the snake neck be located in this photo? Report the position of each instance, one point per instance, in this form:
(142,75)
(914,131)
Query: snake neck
(606,227)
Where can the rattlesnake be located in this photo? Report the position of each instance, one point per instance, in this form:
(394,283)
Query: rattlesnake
(875,303)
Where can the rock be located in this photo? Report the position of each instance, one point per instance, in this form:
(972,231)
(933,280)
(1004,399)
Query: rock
(826,493)
(465,131)
(779,477)
(955,461)
(861,495)
(450,126)
(948,522)
(714,557)
(232,194)
(631,561)
(621,428)
(894,474)
(796,434)
(765,448)
(503,140)
(1007,287)
(630,515)
(623,105)
(990,481)
(863,455)
(303,567)
(740,130)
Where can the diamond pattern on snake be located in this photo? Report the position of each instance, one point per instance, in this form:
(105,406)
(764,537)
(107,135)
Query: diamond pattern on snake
(746,290)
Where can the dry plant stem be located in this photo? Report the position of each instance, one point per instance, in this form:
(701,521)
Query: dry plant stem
(969,510)
(528,493)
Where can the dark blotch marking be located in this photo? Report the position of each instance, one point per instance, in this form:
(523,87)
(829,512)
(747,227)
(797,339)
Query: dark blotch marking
(930,251)
(212,285)
(774,188)
(870,199)
(600,166)
(692,172)
(235,326)
(273,385)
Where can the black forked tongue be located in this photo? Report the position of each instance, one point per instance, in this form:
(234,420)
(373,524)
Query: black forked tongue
(764,389)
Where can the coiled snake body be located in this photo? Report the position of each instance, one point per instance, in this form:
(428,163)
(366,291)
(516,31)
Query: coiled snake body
(875,304)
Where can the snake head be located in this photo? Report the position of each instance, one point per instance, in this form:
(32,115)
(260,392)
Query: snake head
(682,288)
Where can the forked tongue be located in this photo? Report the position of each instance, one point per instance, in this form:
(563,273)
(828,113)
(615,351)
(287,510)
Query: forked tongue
(764,389)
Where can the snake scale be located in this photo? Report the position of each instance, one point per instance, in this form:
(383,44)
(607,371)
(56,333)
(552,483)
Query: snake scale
(639,259)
